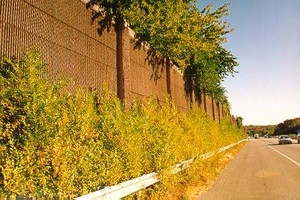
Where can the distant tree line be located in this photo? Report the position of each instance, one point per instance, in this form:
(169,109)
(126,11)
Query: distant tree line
(261,130)
(289,126)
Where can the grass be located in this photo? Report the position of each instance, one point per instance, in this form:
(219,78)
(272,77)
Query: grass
(203,173)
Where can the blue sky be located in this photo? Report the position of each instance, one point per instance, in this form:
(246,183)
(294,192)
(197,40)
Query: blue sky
(266,42)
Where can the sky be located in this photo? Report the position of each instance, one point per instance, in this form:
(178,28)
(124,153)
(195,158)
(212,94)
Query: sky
(266,42)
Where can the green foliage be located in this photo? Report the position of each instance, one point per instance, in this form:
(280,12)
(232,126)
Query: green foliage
(289,123)
(261,130)
(43,131)
(239,122)
(178,31)
(211,69)
(288,126)
(53,143)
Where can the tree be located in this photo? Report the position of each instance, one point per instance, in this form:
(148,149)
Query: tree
(211,69)
(178,32)
(239,122)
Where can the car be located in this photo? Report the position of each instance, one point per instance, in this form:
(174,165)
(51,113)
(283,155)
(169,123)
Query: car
(298,137)
(284,139)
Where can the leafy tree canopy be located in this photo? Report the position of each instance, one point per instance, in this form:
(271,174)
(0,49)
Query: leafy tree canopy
(178,30)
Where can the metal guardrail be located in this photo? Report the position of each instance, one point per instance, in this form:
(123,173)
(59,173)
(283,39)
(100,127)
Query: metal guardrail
(128,187)
(123,189)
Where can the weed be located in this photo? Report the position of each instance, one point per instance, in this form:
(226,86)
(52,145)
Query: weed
(55,143)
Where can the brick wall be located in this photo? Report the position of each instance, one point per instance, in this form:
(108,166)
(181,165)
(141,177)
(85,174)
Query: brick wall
(62,30)
(63,33)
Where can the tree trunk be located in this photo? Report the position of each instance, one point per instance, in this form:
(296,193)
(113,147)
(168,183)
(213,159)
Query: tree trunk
(119,58)
(168,76)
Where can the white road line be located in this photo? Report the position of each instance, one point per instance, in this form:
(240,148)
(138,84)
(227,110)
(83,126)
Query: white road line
(296,163)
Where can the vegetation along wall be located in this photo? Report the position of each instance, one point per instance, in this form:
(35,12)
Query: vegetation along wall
(70,43)
(59,141)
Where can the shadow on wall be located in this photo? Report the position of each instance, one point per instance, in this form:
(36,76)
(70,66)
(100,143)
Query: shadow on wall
(159,64)
(192,91)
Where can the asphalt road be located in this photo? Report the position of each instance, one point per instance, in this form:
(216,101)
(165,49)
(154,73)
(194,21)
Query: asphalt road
(262,170)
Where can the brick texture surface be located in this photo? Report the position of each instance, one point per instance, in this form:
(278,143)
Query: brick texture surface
(70,44)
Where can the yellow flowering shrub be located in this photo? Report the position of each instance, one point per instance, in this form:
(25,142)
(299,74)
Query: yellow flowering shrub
(54,143)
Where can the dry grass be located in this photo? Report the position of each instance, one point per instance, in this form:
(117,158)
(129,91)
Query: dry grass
(216,165)
(198,177)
